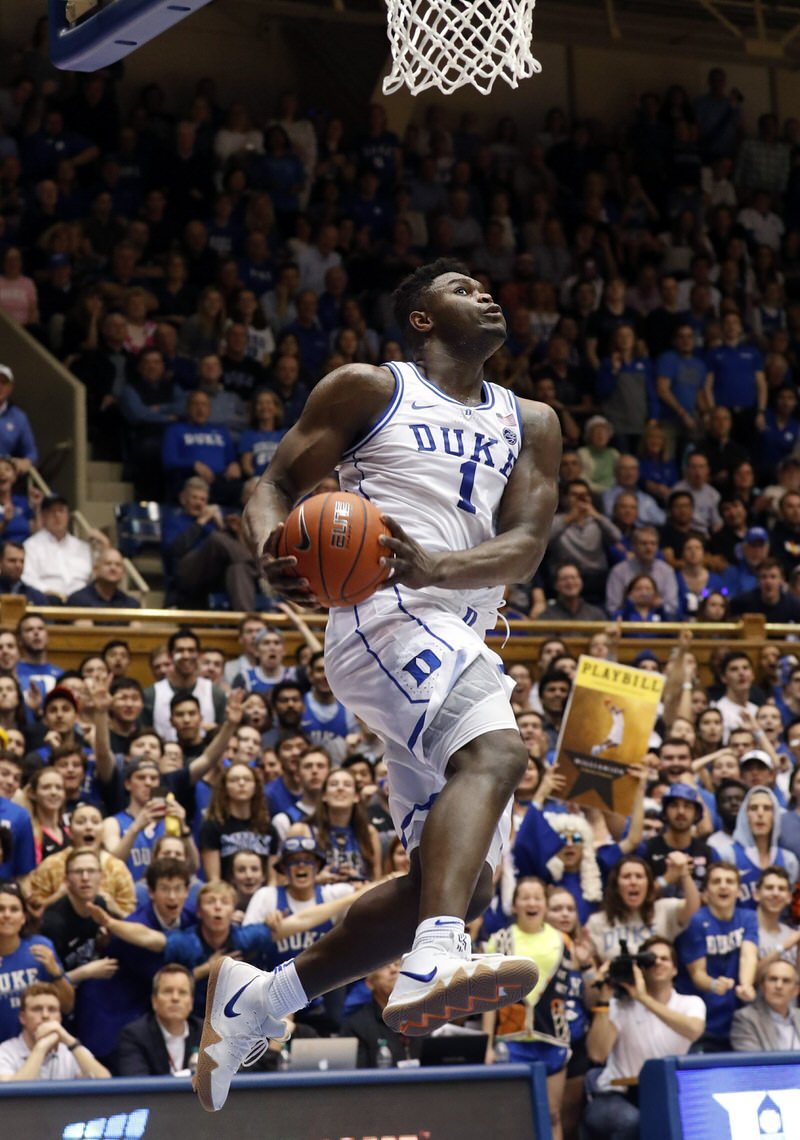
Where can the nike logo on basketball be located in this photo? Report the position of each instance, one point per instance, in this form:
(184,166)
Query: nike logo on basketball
(305,537)
(421,407)
(230,1009)
(416,977)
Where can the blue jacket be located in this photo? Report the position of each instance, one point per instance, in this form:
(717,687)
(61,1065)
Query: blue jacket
(16,436)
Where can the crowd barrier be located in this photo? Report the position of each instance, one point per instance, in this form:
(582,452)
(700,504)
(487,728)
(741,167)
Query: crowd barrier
(722,1096)
(505,1102)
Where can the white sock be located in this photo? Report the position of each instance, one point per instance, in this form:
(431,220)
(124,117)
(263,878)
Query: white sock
(286,994)
(443,928)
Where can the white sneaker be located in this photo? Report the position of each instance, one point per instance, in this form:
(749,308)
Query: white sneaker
(439,982)
(236,1031)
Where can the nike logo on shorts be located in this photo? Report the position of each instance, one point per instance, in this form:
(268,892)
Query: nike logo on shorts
(230,1009)
(416,977)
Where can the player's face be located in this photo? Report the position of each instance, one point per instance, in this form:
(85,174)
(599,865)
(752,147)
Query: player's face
(461,310)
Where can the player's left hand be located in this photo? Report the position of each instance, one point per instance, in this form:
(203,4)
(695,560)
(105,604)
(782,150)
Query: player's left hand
(411,565)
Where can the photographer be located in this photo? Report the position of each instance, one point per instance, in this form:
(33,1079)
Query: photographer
(648,1019)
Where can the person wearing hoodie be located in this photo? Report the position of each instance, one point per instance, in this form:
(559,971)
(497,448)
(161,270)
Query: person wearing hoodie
(755,843)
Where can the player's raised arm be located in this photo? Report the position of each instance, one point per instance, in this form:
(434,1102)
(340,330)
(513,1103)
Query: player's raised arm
(339,411)
(523,526)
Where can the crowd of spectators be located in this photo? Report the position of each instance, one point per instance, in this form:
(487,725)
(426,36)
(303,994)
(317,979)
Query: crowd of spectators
(199,269)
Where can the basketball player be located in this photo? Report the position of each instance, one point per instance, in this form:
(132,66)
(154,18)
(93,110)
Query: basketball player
(615,732)
(467,477)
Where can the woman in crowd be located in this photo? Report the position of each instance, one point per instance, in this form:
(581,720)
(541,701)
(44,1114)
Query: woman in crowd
(237,820)
(23,961)
(47,799)
(538,1035)
(257,443)
(343,832)
(695,580)
(631,912)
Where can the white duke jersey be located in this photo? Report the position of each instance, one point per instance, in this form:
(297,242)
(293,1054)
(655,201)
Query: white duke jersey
(437,466)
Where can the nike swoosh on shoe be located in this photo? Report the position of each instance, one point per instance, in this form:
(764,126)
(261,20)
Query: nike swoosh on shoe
(418,977)
(230,1009)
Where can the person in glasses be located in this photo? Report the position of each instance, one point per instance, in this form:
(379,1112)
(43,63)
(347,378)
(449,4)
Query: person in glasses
(301,861)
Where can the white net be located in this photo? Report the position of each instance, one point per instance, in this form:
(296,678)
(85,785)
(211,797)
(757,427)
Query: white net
(451,43)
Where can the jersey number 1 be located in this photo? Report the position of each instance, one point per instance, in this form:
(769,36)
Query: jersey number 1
(467,483)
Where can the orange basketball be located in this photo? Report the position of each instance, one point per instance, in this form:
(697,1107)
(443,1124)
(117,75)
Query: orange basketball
(334,538)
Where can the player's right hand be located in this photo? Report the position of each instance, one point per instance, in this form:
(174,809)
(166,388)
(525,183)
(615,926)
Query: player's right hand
(281,572)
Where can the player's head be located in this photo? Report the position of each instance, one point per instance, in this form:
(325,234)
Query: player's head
(440,300)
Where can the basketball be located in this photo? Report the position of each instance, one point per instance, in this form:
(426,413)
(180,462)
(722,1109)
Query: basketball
(335,539)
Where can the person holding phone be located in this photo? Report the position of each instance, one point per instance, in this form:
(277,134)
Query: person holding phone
(150,811)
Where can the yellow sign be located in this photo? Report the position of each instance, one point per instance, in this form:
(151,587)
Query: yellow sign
(607,726)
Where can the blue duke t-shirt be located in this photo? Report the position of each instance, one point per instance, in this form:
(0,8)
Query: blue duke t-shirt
(719,941)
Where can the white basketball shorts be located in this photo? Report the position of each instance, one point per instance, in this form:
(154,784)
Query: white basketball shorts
(424,680)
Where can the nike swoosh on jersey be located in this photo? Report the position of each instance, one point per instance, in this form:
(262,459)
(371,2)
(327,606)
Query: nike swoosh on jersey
(421,407)
(418,977)
(305,537)
(230,1009)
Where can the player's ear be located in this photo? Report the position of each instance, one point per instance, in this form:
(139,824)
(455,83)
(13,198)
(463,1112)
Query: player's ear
(421,322)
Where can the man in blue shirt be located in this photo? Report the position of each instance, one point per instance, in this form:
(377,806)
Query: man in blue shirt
(33,666)
(680,376)
(719,951)
(16,435)
(194,446)
(17,855)
(736,379)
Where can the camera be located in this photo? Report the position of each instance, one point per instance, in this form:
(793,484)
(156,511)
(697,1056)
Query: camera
(620,970)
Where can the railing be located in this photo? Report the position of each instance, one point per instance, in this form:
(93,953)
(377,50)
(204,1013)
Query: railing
(75,633)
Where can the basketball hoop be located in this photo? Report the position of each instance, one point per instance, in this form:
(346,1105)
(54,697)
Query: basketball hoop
(451,43)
